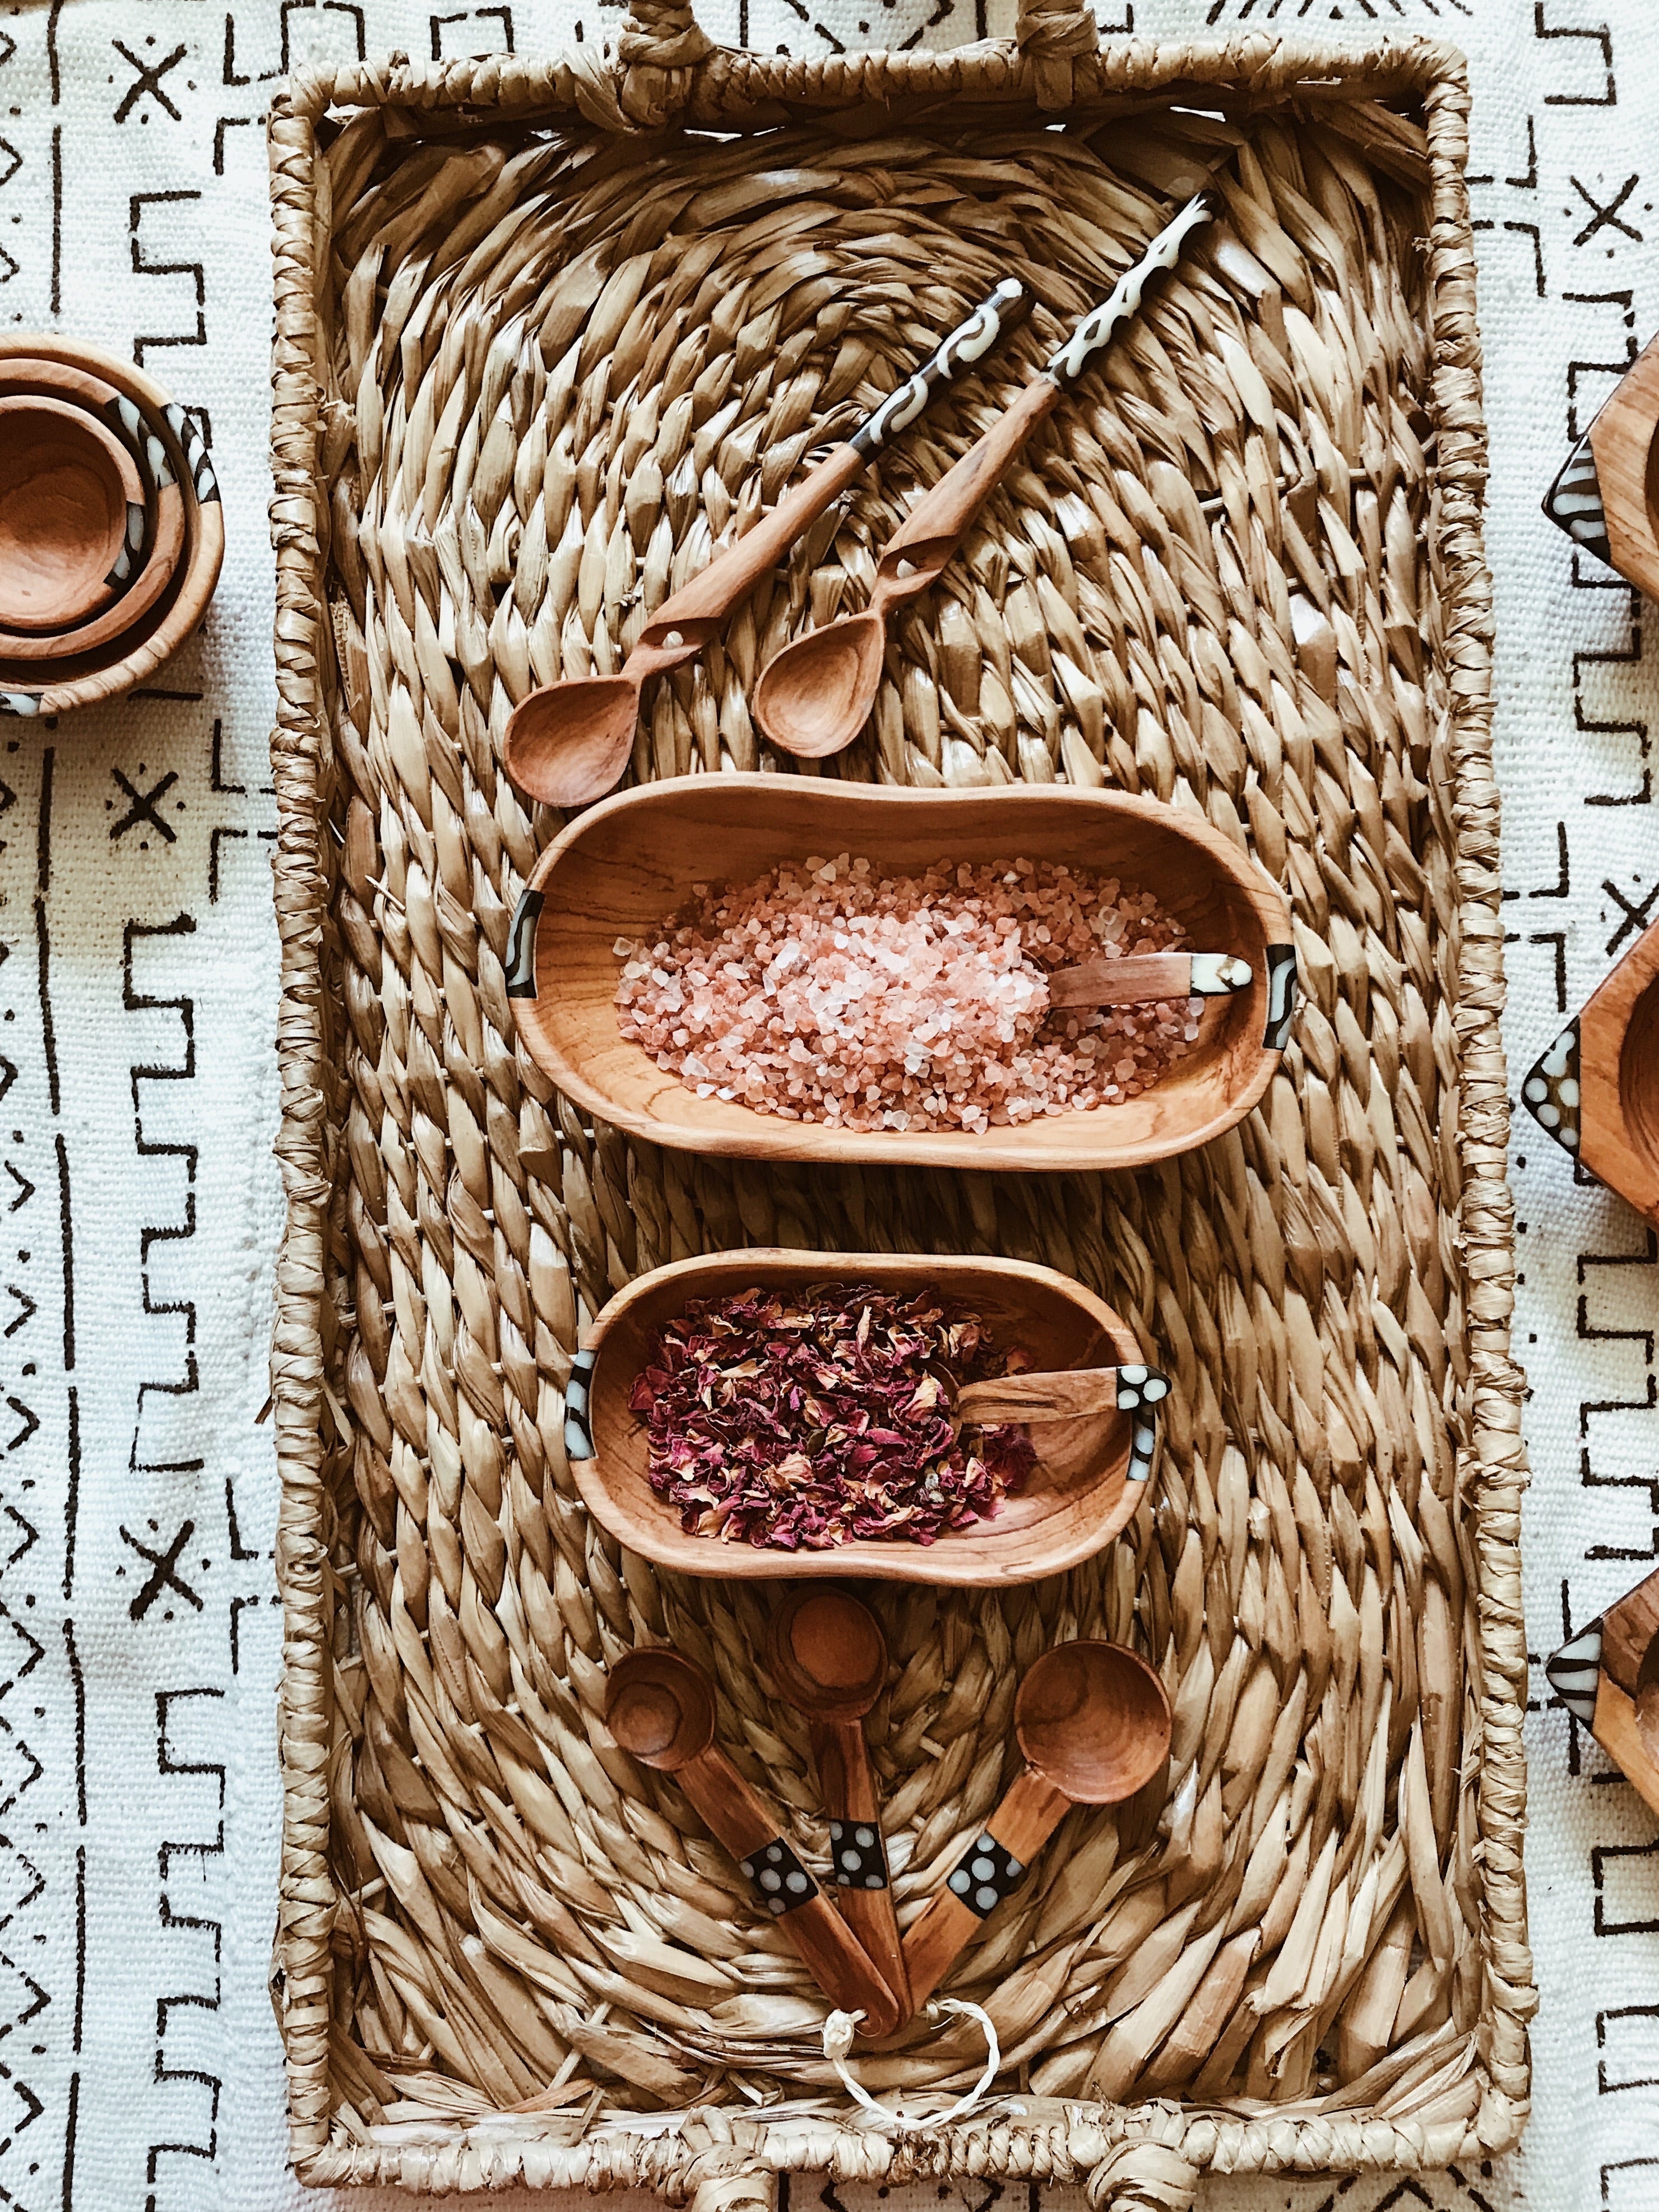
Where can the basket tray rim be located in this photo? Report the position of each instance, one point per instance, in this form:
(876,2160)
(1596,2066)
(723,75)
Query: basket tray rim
(1059,2139)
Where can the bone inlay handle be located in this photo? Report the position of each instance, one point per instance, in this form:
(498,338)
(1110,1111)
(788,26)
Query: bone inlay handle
(838,1960)
(848,1788)
(1061,1396)
(968,344)
(990,1869)
(1098,330)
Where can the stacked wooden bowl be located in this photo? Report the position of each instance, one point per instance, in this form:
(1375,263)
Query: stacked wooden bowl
(112,531)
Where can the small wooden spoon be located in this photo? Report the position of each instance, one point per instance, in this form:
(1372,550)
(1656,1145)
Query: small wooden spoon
(829,1659)
(815,696)
(1094,1724)
(1067,1394)
(660,1708)
(567,743)
(1137,977)
(67,489)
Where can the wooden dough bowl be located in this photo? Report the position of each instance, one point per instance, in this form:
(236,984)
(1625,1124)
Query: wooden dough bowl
(1077,1497)
(1596,1090)
(620,870)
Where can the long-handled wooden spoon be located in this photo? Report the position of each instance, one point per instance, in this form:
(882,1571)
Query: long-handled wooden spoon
(660,1708)
(567,743)
(815,696)
(1094,1724)
(829,1659)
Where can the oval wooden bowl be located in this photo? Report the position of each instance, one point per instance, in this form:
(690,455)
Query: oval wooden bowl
(620,869)
(1077,1497)
(153,560)
(67,487)
(78,679)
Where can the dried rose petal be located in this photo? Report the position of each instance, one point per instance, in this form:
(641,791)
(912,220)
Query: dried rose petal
(800,1420)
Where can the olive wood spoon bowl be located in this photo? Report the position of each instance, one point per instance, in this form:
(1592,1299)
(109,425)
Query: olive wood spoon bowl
(567,743)
(1093,1722)
(829,1657)
(661,1709)
(67,487)
(161,517)
(815,696)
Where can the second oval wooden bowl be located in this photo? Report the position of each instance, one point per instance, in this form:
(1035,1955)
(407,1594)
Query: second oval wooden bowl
(1077,1497)
(623,867)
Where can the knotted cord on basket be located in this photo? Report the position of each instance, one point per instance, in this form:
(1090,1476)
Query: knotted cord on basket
(838,2033)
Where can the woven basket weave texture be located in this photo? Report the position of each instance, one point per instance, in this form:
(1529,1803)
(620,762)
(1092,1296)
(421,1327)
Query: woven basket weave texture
(532,367)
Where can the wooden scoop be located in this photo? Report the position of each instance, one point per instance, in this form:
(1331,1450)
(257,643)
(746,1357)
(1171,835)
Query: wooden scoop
(1067,1394)
(1141,976)
(816,696)
(67,487)
(569,743)
(660,1708)
(829,1659)
(1094,1724)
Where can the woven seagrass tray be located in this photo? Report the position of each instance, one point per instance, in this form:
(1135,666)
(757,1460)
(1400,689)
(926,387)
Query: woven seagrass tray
(543,339)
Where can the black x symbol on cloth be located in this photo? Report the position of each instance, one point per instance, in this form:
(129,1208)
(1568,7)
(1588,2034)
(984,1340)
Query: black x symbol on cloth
(148,80)
(1601,216)
(1636,917)
(143,808)
(165,1575)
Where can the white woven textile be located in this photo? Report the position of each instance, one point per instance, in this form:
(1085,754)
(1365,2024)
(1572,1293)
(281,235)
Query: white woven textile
(139,1642)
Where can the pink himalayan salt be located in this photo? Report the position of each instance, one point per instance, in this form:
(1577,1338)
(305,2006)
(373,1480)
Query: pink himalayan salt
(825,993)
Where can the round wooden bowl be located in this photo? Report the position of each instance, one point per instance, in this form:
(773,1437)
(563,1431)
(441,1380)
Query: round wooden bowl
(105,671)
(68,487)
(624,866)
(151,558)
(1090,1476)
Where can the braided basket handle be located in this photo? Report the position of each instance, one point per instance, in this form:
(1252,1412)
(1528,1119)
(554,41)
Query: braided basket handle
(665,35)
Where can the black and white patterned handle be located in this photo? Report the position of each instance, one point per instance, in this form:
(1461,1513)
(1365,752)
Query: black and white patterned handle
(1098,330)
(968,343)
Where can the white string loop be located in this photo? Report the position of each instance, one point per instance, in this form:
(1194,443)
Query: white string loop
(838,2033)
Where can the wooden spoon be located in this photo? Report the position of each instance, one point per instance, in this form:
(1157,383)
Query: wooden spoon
(1067,1394)
(829,1659)
(67,487)
(1137,977)
(161,519)
(1094,1724)
(569,743)
(660,1708)
(815,696)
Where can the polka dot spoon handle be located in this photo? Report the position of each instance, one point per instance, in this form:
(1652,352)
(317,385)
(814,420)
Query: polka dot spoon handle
(786,1891)
(991,1868)
(857,1855)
